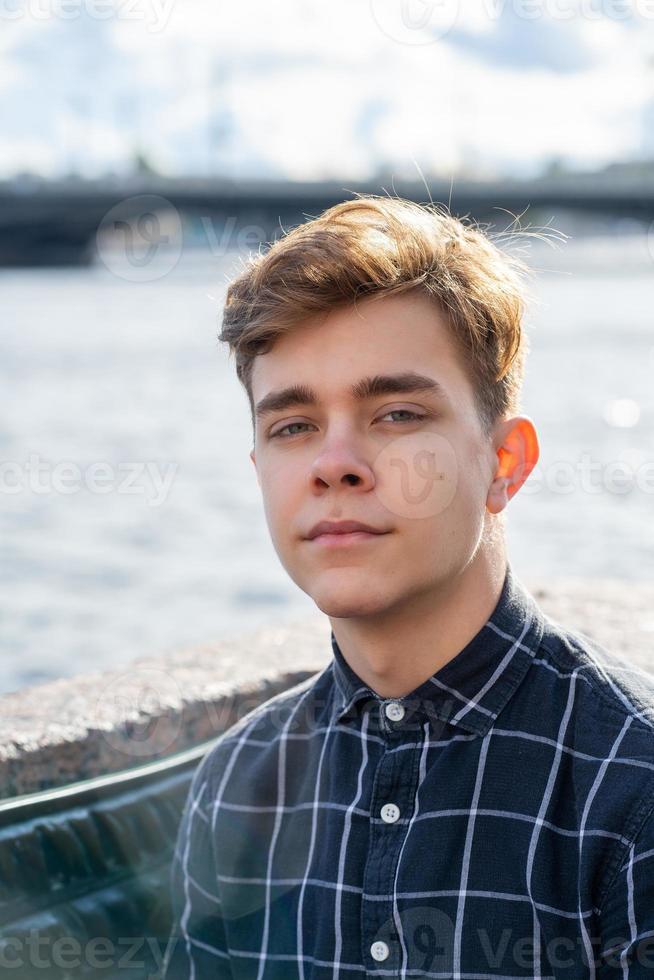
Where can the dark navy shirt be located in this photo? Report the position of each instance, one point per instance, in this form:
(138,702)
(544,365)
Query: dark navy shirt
(496,822)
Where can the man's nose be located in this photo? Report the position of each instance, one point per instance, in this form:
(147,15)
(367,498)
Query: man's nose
(342,462)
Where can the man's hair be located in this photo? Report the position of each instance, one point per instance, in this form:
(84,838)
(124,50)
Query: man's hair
(383,246)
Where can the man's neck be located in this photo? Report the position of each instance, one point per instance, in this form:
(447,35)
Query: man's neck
(394,655)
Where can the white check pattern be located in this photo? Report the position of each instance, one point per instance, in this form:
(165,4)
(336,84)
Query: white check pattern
(498,822)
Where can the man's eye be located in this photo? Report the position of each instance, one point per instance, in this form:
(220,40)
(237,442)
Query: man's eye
(274,435)
(415,416)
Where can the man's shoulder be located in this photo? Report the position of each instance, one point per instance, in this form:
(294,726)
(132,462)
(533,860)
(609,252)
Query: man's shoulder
(264,726)
(597,707)
(606,685)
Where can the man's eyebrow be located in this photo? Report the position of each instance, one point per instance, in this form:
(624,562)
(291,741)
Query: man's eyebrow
(370,387)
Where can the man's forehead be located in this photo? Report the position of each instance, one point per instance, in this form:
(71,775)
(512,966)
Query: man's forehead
(370,326)
(323,357)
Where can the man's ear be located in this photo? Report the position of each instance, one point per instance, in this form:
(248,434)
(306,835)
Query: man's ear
(517,455)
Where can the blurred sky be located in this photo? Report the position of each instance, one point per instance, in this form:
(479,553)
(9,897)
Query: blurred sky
(303,89)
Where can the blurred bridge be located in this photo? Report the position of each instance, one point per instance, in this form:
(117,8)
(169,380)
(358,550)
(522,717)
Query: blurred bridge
(57,223)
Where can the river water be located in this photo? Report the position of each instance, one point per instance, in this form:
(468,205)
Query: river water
(97,369)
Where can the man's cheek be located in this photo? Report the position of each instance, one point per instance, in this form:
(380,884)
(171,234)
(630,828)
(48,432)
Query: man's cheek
(417,475)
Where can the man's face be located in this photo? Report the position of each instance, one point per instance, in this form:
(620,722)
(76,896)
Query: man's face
(423,481)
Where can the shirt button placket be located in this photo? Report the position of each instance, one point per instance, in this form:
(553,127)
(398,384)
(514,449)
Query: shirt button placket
(393,795)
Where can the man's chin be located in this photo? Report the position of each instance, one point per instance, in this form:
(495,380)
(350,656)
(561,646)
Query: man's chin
(349,604)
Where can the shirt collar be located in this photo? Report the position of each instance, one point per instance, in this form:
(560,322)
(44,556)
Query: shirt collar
(473,687)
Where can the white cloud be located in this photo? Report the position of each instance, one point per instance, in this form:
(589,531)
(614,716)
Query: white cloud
(309,89)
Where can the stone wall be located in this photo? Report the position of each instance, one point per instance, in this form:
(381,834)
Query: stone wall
(77,728)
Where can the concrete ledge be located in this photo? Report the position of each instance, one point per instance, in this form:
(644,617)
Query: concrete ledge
(76,728)
(91,724)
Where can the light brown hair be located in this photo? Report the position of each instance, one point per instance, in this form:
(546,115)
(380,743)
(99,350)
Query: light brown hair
(384,245)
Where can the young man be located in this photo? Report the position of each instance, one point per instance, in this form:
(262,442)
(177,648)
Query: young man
(467,790)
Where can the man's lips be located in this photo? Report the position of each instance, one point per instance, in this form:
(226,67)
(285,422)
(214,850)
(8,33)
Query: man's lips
(346,539)
(344,534)
(332,528)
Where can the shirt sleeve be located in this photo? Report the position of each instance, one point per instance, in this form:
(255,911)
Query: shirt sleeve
(197,948)
(627,920)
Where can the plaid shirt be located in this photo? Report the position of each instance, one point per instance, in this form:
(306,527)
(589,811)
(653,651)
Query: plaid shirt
(496,822)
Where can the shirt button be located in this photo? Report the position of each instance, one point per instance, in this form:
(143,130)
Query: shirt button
(379,951)
(394,710)
(390,813)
